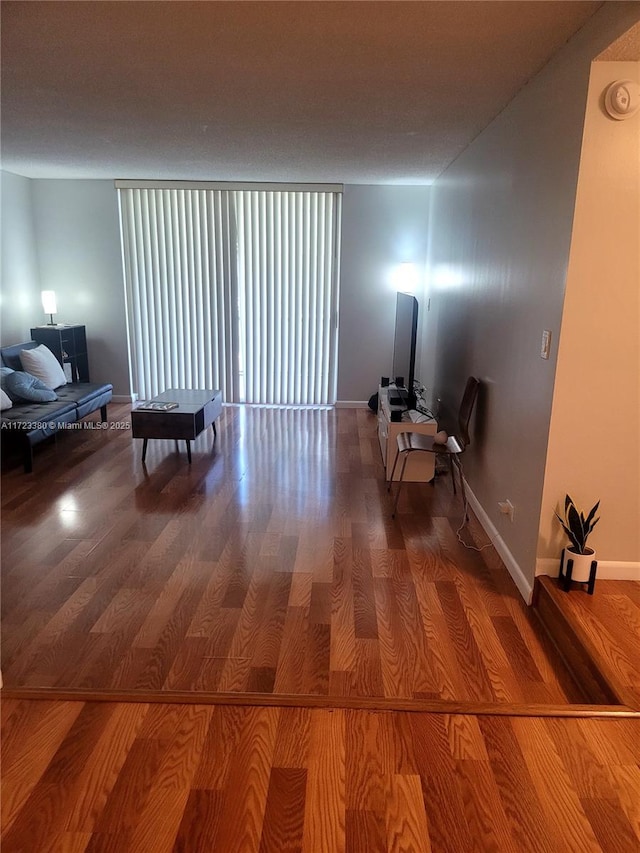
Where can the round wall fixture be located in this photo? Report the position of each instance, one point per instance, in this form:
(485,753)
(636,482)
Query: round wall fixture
(622,99)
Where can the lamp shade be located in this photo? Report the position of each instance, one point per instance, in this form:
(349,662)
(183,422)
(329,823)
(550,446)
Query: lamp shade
(49,301)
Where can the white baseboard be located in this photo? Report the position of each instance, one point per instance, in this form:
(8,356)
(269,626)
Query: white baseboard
(525,587)
(351,404)
(610,570)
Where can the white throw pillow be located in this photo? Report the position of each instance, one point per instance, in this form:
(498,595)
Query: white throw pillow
(5,400)
(41,362)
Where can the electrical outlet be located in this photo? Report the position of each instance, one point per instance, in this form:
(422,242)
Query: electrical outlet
(507,508)
(545,347)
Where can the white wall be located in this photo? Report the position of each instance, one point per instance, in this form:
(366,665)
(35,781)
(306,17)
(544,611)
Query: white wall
(20,305)
(382,227)
(594,438)
(501,229)
(78,237)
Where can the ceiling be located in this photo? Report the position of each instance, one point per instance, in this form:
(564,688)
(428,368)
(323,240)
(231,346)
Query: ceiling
(353,92)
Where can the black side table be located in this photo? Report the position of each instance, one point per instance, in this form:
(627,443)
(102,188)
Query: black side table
(69,345)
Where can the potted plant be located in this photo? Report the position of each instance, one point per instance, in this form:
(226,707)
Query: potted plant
(578,528)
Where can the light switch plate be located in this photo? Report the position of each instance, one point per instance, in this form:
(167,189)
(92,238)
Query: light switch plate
(546,344)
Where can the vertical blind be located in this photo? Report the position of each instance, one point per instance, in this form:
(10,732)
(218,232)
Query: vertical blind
(234,289)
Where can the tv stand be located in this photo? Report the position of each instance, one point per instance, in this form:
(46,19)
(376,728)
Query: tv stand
(394,419)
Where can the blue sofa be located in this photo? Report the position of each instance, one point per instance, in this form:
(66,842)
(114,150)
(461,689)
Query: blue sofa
(26,424)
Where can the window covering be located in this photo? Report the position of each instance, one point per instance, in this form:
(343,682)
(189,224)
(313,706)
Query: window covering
(234,289)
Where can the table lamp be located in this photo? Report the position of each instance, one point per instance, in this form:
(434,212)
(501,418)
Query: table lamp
(49,304)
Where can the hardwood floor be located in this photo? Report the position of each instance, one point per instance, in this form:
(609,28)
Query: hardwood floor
(264,641)
(271,565)
(106,777)
(599,634)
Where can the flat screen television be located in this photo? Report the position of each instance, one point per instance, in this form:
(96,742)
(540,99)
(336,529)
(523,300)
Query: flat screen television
(404,351)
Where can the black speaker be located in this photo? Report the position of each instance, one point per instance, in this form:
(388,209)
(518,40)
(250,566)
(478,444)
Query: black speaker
(384,381)
(396,415)
(399,381)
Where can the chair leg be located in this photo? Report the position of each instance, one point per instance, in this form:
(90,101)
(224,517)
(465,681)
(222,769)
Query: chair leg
(464,496)
(453,479)
(395,503)
(393,470)
(27,457)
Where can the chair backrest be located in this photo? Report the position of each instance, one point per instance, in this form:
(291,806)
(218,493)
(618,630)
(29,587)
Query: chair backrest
(466,408)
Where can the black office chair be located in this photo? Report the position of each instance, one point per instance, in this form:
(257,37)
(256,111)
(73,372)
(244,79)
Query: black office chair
(413,442)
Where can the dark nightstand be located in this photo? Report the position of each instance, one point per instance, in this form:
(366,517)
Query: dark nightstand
(69,345)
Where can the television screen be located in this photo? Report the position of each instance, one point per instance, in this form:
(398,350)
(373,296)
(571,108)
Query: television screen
(404,347)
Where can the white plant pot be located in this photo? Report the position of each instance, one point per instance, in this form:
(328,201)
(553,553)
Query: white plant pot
(581,564)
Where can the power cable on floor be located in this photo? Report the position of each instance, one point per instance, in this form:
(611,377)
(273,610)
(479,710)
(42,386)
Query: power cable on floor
(465,519)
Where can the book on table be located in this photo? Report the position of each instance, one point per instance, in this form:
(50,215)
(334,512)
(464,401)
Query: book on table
(157,406)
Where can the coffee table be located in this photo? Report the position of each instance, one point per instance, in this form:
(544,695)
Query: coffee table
(196,410)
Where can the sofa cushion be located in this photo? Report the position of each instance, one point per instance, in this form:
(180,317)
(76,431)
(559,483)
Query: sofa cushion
(41,362)
(5,373)
(41,419)
(5,400)
(23,386)
(82,393)
(11,355)
(88,396)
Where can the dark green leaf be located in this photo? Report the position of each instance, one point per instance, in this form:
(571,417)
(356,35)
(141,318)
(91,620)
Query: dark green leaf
(590,516)
(575,524)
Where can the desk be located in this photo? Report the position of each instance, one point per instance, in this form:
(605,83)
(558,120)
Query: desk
(420,466)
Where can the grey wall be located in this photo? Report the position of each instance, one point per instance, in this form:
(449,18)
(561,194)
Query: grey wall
(78,238)
(20,305)
(501,232)
(64,236)
(74,224)
(382,227)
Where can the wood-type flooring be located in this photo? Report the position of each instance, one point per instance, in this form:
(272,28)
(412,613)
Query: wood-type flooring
(603,628)
(271,565)
(271,568)
(117,778)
